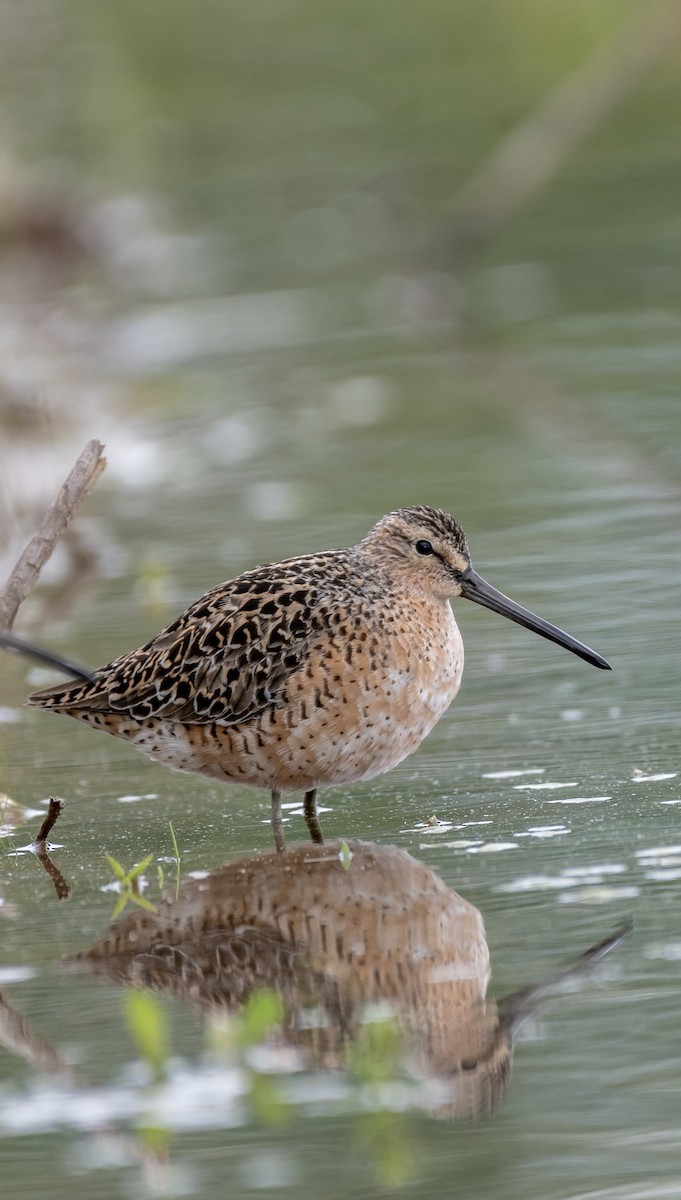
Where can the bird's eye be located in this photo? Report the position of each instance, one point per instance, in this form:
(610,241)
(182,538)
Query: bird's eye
(424,547)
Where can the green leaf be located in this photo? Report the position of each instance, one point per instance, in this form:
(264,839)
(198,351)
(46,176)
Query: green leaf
(116,867)
(127,896)
(177,859)
(120,905)
(155,1141)
(139,868)
(345,855)
(147,1022)
(263,1011)
(266,1101)
(388,1139)
(375,1054)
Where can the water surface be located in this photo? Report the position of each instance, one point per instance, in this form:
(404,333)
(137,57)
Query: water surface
(317,377)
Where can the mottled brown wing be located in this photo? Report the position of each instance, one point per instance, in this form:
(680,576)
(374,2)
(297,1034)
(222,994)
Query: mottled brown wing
(225,659)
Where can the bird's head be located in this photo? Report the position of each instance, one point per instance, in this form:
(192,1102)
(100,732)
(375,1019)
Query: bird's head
(424,547)
(425,550)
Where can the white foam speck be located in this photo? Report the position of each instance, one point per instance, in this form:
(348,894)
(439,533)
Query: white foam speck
(658,851)
(15,974)
(542,787)
(458,844)
(493,847)
(297,809)
(571,877)
(544,831)
(639,777)
(596,869)
(659,876)
(537,883)
(579,800)
(668,950)
(513,774)
(134,799)
(600,894)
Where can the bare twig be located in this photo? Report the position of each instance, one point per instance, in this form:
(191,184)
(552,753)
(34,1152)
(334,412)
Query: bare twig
(23,578)
(40,848)
(54,811)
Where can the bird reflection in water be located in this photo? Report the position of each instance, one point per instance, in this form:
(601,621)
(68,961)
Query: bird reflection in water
(337,929)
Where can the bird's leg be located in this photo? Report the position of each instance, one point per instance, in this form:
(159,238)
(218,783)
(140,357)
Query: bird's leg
(311,818)
(277,823)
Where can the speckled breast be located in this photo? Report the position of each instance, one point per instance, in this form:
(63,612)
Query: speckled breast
(358,711)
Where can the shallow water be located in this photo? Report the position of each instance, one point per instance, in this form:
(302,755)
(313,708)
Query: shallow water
(555,792)
(279,406)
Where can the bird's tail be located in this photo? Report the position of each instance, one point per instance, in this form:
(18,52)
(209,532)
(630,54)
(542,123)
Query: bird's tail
(17,645)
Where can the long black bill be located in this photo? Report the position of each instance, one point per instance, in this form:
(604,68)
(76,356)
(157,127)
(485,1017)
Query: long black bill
(17,645)
(475,588)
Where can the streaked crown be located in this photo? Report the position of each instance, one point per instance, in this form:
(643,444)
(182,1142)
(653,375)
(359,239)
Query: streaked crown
(425,546)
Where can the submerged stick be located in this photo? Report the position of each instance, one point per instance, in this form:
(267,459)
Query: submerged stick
(23,578)
(39,848)
(61,886)
(54,810)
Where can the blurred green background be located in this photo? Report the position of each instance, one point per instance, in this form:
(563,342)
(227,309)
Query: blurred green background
(269,253)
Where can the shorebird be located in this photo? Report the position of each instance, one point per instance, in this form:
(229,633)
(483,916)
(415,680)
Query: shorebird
(323,669)
(336,930)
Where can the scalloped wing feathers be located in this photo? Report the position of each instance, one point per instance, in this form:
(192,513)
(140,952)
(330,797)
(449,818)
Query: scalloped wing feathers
(224,660)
